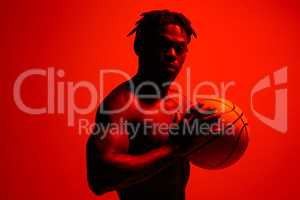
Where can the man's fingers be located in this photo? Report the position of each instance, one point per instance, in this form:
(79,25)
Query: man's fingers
(212,117)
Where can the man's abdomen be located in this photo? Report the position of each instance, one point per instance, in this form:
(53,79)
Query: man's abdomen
(168,184)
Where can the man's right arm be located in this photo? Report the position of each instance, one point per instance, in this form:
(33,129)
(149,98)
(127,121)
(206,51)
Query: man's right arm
(112,163)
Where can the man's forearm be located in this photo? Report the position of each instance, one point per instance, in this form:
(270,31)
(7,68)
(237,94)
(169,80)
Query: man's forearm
(137,168)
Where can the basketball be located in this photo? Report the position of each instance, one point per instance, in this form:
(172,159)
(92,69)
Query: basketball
(225,141)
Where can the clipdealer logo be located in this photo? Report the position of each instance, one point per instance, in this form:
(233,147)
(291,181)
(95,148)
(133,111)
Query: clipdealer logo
(56,90)
(280,79)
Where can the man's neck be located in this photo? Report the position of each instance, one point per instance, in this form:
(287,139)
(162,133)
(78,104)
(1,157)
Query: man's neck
(150,85)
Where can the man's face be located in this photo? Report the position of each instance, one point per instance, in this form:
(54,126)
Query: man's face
(168,51)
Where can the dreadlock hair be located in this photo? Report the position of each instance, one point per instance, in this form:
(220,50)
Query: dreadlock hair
(152,22)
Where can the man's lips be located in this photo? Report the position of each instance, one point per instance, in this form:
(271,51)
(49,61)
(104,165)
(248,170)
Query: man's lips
(171,67)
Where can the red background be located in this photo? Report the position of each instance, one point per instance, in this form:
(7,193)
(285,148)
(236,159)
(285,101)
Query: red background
(43,158)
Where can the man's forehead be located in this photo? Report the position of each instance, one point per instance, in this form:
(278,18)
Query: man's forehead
(174,32)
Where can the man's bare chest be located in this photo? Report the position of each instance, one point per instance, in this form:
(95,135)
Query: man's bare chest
(153,121)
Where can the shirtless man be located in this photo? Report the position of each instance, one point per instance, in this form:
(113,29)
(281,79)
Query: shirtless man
(149,165)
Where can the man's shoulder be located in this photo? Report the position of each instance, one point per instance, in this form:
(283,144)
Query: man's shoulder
(120,94)
(119,100)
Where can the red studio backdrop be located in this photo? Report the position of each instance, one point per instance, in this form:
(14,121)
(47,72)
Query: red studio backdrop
(66,42)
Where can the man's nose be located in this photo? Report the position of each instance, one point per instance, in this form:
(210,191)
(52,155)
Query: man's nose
(171,54)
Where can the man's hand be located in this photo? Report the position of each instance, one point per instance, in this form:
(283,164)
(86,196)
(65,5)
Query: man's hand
(194,129)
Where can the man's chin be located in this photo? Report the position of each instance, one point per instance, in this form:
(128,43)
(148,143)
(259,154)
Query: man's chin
(168,76)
